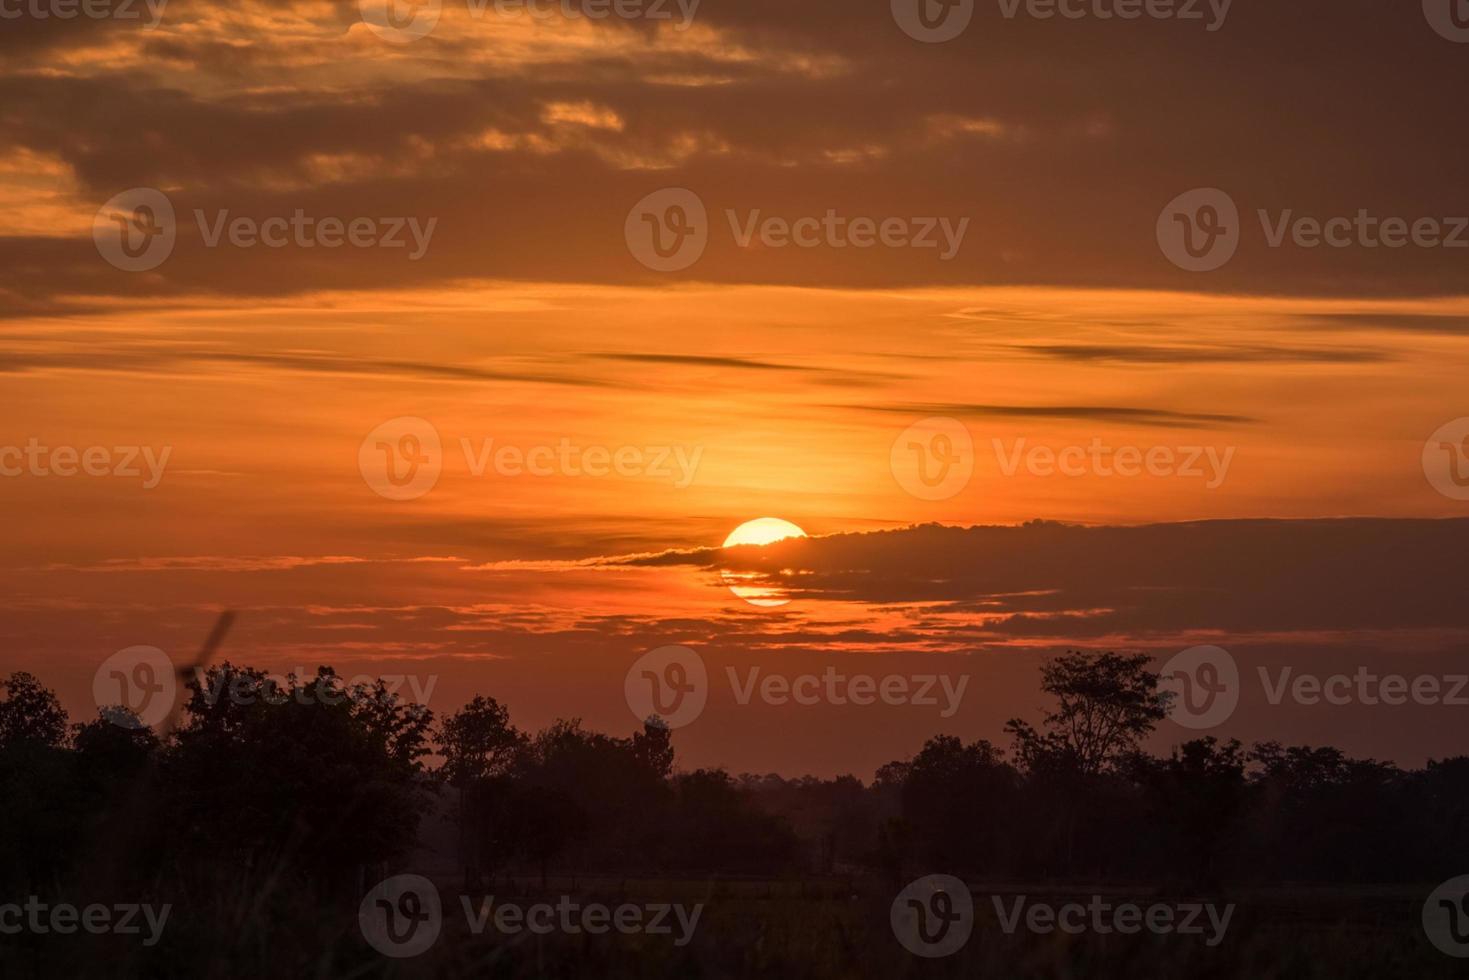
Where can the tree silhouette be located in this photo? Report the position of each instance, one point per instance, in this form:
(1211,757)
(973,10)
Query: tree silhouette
(958,799)
(276,796)
(30,713)
(478,741)
(1197,796)
(653,746)
(479,746)
(315,776)
(1105,706)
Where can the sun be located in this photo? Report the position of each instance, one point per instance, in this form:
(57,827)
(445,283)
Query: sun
(761,531)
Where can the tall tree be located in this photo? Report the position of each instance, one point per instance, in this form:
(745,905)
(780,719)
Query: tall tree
(1106,704)
(478,741)
(479,746)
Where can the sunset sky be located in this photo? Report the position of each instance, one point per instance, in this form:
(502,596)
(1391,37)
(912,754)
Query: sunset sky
(781,376)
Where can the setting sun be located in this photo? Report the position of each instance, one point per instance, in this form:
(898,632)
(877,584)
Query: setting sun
(761,531)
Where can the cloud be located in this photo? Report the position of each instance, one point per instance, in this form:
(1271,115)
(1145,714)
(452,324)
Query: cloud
(1397,322)
(1060,580)
(183,357)
(530,139)
(1089,413)
(696,360)
(231,563)
(1199,354)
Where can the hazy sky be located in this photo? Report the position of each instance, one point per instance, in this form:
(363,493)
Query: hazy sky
(261,384)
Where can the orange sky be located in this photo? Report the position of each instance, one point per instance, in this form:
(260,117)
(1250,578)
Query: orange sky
(780,377)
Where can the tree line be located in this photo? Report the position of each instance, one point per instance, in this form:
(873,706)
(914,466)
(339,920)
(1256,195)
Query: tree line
(325,783)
